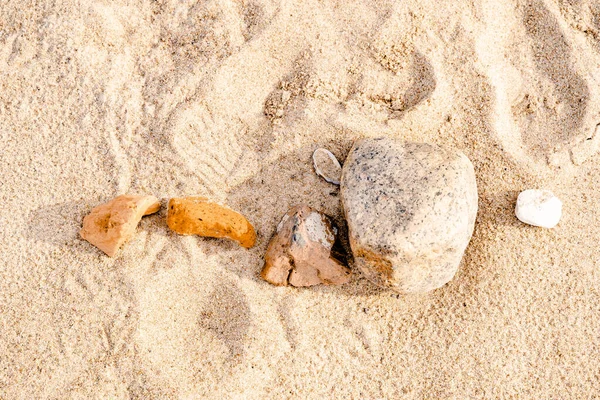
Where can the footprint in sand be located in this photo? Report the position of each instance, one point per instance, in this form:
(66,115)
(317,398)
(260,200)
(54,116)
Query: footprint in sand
(546,113)
(400,78)
(583,16)
(212,133)
(189,300)
(175,300)
(394,85)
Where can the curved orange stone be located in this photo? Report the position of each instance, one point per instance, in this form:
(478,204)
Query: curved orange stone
(110,225)
(202,217)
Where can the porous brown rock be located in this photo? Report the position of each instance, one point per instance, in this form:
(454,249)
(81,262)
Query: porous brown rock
(110,225)
(300,252)
(411,211)
(200,216)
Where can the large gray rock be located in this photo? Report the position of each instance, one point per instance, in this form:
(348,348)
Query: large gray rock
(411,211)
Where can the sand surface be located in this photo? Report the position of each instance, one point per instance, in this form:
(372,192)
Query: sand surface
(228,99)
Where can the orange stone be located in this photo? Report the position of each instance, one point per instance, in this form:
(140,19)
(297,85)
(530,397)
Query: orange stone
(110,225)
(202,217)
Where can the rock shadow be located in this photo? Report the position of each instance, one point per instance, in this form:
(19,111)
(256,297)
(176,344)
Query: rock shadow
(499,208)
(58,224)
(227,315)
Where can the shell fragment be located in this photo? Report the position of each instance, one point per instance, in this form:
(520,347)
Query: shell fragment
(327,166)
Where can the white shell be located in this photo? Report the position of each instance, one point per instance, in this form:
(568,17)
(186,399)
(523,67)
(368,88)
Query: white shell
(327,166)
(538,208)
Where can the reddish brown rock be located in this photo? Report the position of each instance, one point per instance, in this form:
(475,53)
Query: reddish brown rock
(202,217)
(110,225)
(300,252)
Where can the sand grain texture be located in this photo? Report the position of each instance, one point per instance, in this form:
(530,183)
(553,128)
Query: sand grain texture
(228,100)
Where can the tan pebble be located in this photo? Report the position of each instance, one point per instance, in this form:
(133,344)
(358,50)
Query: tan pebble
(300,252)
(202,217)
(110,225)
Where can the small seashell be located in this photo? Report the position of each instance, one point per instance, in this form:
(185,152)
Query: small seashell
(327,166)
(538,208)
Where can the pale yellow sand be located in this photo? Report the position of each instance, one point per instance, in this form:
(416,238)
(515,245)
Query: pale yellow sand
(228,99)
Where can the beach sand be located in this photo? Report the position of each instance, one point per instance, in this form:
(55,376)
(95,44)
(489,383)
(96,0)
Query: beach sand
(228,99)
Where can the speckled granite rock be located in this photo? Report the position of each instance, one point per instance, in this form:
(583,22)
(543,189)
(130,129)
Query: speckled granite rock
(411,211)
(300,252)
(200,216)
(110,225)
